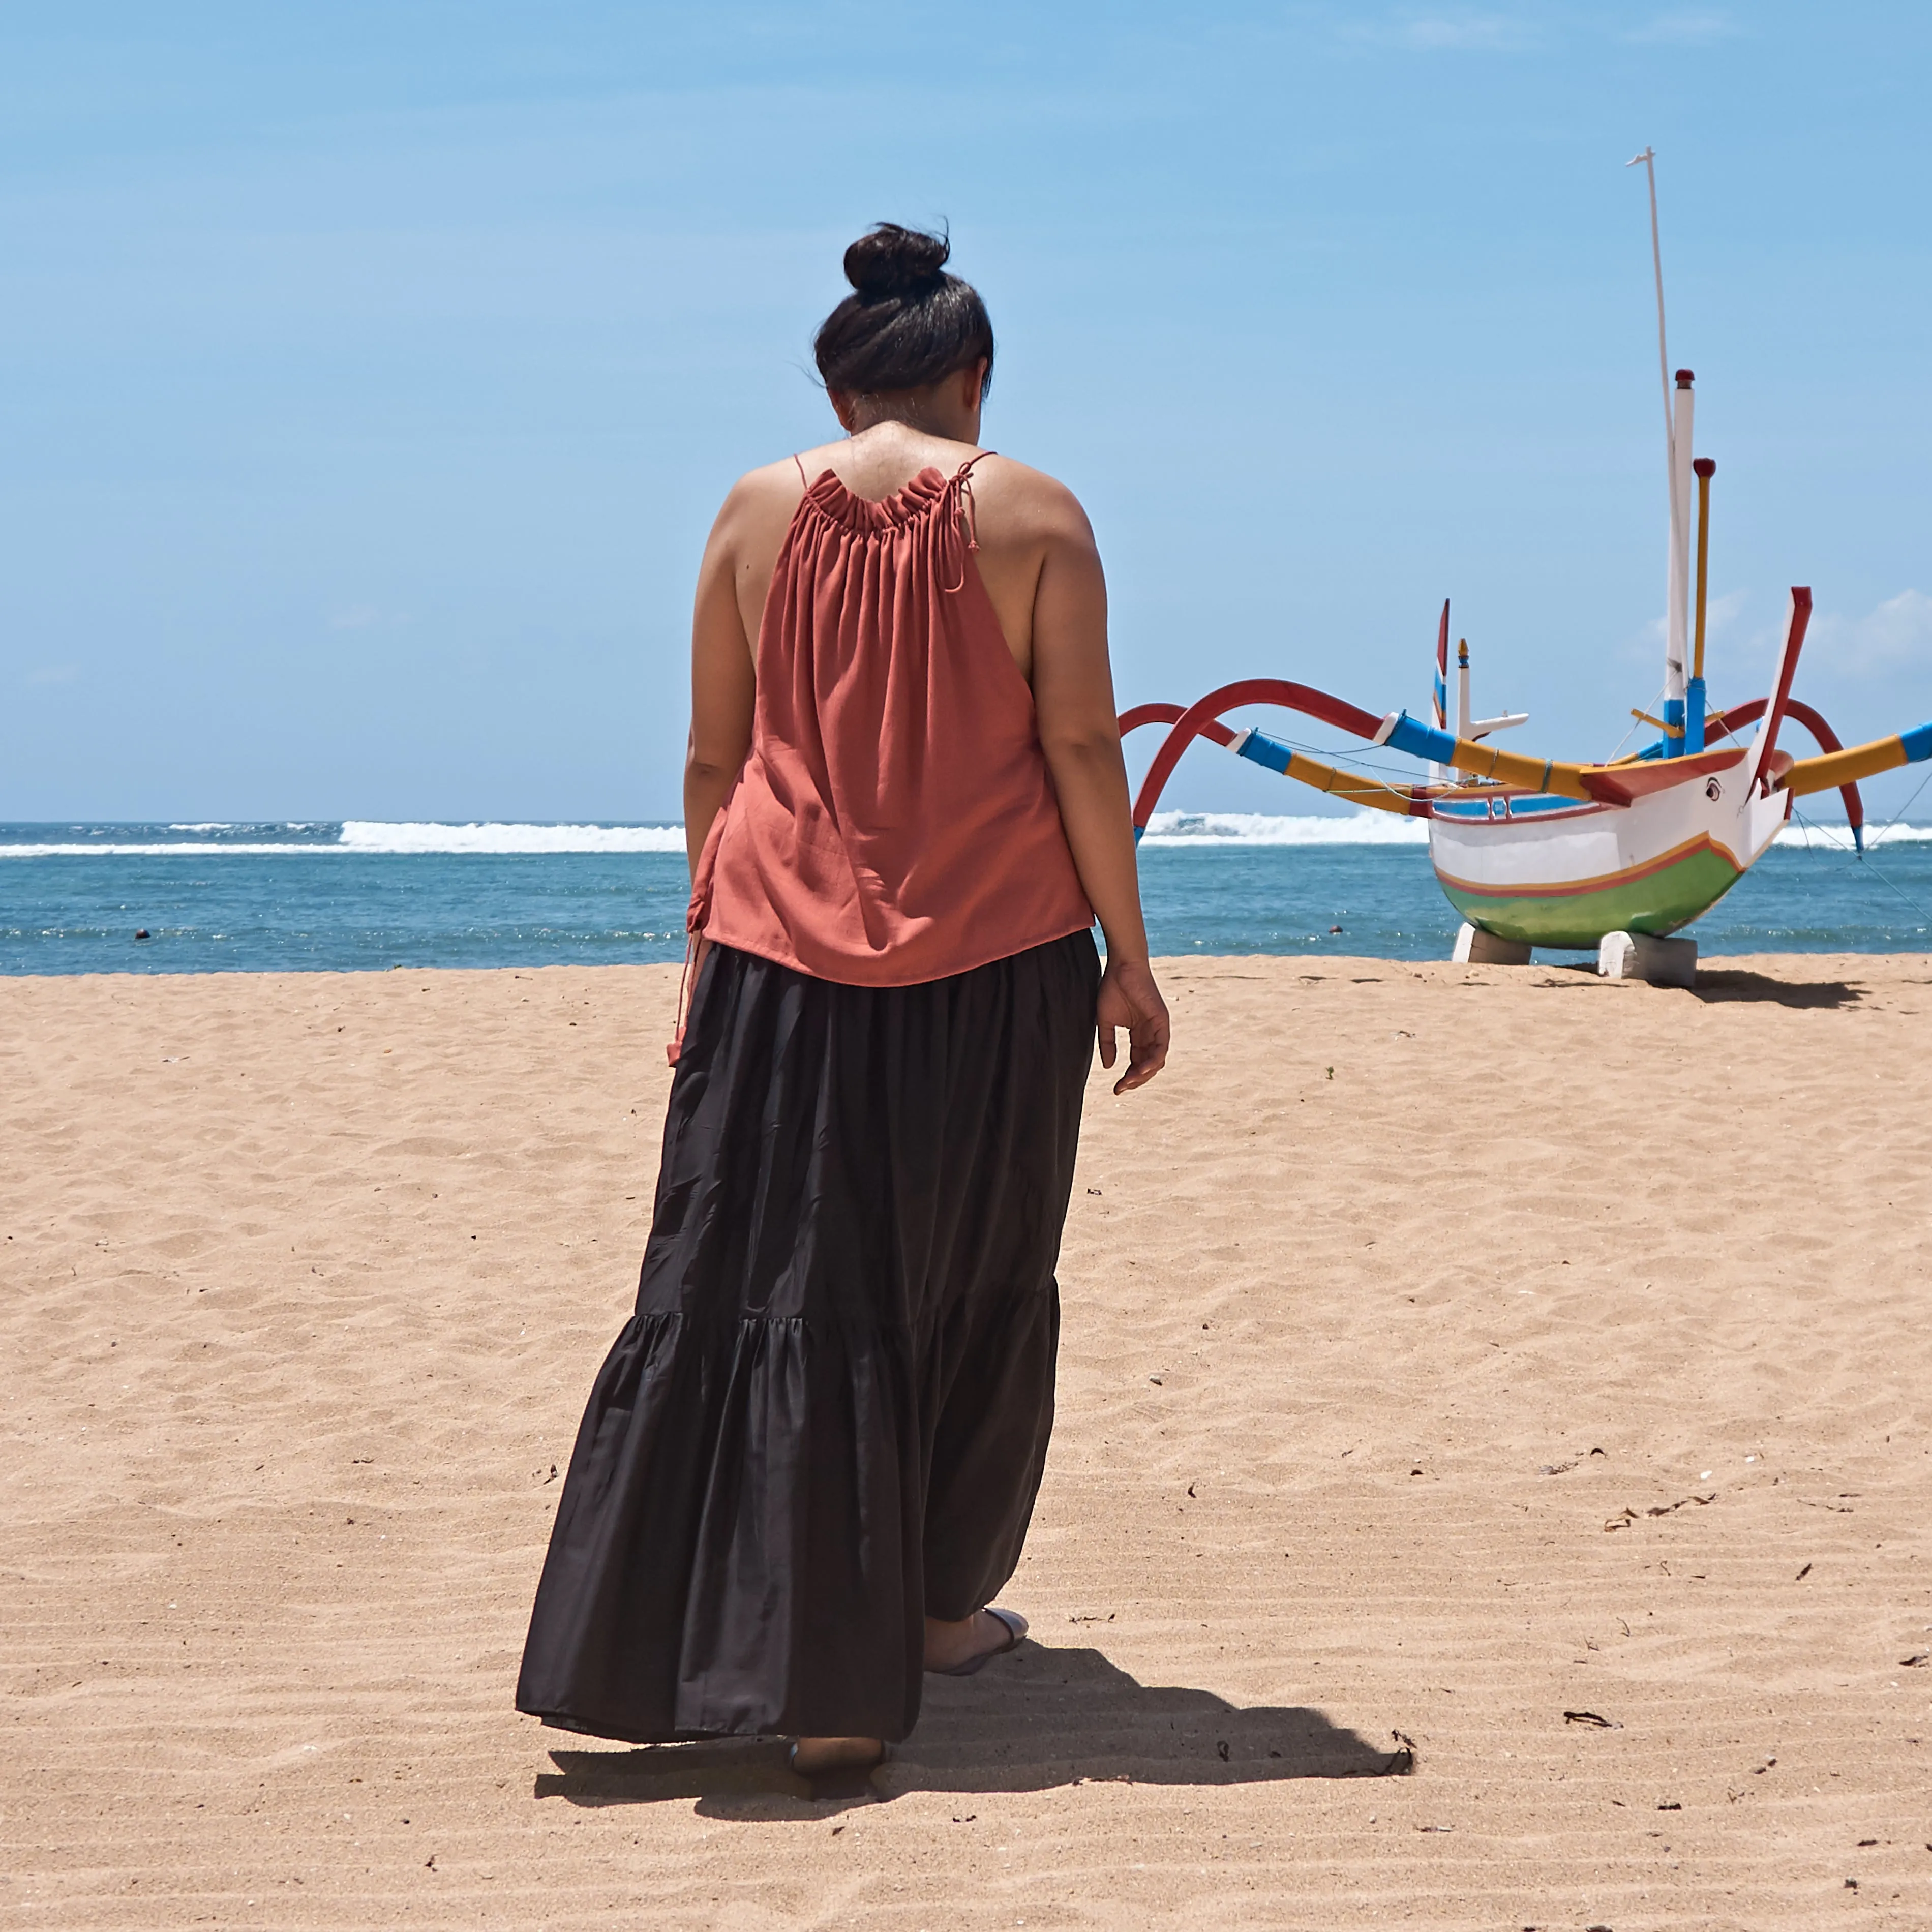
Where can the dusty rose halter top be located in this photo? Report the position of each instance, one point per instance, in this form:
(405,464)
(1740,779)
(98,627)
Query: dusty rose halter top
(894,821)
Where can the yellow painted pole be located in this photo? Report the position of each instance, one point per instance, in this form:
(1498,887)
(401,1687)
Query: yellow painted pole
(1706,469)
(1512,768)
(1352,785)
(1841,768)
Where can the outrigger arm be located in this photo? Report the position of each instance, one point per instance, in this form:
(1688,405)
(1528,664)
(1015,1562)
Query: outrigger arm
(1859,761)
(1613,784)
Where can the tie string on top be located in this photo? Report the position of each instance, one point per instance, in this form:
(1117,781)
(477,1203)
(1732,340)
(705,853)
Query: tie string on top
(965,519)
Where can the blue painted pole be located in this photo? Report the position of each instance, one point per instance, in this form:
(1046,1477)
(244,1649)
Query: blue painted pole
(1693,691)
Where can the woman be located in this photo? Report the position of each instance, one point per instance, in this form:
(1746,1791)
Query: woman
(809,1461)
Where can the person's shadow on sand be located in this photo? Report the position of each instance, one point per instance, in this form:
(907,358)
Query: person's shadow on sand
(1038,1719)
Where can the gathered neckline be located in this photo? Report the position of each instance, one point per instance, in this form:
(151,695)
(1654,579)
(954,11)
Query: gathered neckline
(829,494)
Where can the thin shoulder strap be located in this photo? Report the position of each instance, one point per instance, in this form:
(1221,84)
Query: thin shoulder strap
(964,474)
(804,480)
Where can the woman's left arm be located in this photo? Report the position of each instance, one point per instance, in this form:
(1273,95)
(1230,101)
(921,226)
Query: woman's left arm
(722,684)
(1073,703)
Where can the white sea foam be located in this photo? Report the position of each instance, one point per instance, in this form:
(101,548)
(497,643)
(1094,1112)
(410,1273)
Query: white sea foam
(1256,828)
(1839,835)
(198,846)
(1179,830)
(370,837)
(366,835)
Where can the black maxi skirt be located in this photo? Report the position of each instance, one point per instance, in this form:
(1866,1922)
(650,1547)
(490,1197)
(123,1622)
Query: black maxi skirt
(828,1417)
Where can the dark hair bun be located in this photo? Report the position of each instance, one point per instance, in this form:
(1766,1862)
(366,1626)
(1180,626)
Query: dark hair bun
(894,261)
(907,322)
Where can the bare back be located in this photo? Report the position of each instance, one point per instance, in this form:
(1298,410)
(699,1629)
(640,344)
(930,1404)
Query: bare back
(1020,514)
(1037,561)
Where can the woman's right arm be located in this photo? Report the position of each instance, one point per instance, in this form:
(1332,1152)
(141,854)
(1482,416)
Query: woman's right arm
(722,686)
(1080,732)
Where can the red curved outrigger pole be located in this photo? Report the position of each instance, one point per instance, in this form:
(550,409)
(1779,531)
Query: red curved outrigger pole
(1202,719)
(1722,723)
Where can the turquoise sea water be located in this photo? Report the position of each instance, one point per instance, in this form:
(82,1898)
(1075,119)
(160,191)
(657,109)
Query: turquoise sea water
(356,896)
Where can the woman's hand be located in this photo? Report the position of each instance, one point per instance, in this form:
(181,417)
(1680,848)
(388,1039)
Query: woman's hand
(1073,706)
(1129,998)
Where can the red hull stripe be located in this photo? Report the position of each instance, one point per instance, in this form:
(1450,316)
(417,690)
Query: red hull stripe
(1603,882)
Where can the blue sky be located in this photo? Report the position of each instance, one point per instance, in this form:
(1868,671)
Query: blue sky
(373,371)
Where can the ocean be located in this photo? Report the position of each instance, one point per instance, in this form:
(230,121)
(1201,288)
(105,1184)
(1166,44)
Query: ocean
(359,895)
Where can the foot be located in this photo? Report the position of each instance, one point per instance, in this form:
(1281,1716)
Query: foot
(952,1647)
(814,1757)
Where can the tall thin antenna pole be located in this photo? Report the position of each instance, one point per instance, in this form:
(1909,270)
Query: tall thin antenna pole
(1677,416)
(1648,157)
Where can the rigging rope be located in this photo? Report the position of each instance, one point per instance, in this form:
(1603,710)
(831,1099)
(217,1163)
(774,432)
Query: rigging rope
(1905,807)
(1832,845)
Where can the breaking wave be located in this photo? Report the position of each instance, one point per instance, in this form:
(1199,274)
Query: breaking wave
(362,836)
(1838,838)
(369,835)
(1256,828)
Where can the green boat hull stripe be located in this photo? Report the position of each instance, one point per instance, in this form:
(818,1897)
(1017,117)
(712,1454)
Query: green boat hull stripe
(1658,903)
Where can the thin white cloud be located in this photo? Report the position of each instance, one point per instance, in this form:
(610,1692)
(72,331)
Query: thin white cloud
(1503,30)
(1721,614)
(1693,29)
(1481,33)
(1645,645)
(1453,30)
(1897,634)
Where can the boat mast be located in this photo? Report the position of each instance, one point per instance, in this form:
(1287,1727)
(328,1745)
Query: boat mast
(1441,693)
(1677,444)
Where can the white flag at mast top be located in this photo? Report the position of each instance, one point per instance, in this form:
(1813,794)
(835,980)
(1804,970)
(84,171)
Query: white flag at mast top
(1677,447)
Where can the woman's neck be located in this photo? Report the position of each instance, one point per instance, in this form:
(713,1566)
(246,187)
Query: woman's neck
(949,409)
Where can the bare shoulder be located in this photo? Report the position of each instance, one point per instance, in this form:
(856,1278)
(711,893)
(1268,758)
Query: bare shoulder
(1021,504)
(751,520)
(771,486)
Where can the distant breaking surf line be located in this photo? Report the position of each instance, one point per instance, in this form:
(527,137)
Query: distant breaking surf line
(372,837)
(1256,828)
(369,837)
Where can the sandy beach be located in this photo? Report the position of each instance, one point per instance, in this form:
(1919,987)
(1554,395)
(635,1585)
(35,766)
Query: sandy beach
(1492,1486)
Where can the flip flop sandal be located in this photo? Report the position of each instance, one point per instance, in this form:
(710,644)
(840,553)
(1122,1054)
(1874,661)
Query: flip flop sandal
(1015,1628)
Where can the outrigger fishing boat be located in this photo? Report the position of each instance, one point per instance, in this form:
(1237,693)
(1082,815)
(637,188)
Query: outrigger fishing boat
(1540,852)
